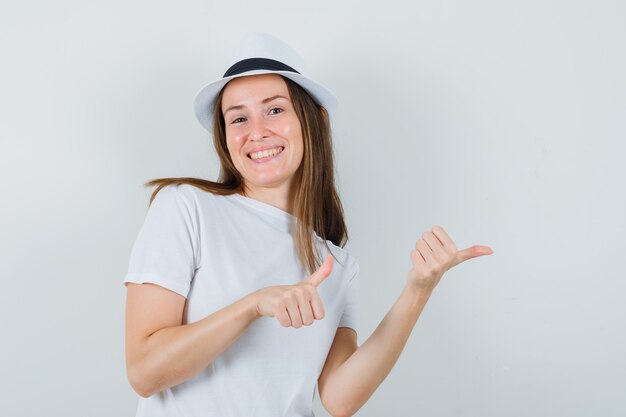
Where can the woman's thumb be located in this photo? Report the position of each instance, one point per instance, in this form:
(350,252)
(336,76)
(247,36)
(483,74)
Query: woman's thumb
(471,252)
(322,272)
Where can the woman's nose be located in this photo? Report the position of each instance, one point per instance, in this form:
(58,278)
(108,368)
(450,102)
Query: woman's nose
(258,128)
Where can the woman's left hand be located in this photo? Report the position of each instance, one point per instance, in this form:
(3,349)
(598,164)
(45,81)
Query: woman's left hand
(434,254)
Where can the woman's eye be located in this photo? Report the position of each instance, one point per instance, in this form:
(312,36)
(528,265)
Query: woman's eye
(276,108)
(239,118)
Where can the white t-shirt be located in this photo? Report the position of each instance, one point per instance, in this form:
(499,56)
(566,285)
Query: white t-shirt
(214,250)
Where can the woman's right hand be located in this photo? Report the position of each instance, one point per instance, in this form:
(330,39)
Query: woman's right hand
(297,304)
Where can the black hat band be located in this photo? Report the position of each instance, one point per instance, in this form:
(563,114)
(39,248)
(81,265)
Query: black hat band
(251,64)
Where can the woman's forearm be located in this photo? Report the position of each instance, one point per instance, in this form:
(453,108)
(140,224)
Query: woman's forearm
(356,379)
(173,355)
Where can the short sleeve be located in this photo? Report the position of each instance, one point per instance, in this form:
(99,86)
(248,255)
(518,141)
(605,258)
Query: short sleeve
(349,316)
(166,251)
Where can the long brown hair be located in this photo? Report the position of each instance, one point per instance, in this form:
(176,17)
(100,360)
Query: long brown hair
(315,200)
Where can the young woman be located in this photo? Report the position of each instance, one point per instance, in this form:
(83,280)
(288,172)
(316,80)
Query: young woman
(240,294)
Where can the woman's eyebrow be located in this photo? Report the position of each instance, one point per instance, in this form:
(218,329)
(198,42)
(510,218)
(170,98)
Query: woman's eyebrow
(266,100)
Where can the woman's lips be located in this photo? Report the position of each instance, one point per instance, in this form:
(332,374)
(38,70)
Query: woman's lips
(267,158)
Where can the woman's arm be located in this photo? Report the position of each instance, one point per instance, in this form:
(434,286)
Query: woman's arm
(160,352)
(352,383)
(348,384)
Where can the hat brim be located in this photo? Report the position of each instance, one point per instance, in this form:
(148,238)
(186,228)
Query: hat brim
(204,102)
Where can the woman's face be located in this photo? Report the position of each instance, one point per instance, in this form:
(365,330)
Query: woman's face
(259,116)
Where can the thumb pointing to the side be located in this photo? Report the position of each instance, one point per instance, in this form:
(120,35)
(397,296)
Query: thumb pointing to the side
(322,272)
(471,252)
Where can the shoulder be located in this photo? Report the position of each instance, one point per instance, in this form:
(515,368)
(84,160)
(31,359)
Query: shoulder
(188,191)
(187,194)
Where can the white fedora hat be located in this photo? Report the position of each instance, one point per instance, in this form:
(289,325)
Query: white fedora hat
(261,53)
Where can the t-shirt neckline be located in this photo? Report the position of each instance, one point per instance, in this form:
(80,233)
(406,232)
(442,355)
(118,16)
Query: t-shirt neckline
(265,207)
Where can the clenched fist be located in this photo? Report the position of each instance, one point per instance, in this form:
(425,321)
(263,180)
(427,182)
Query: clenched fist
(298,304)
(434,254)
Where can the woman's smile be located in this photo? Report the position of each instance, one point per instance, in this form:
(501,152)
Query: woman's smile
(266,155)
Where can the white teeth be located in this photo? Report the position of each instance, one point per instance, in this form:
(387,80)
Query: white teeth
(265,153)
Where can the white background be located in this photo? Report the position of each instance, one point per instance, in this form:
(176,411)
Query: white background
(502,121)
